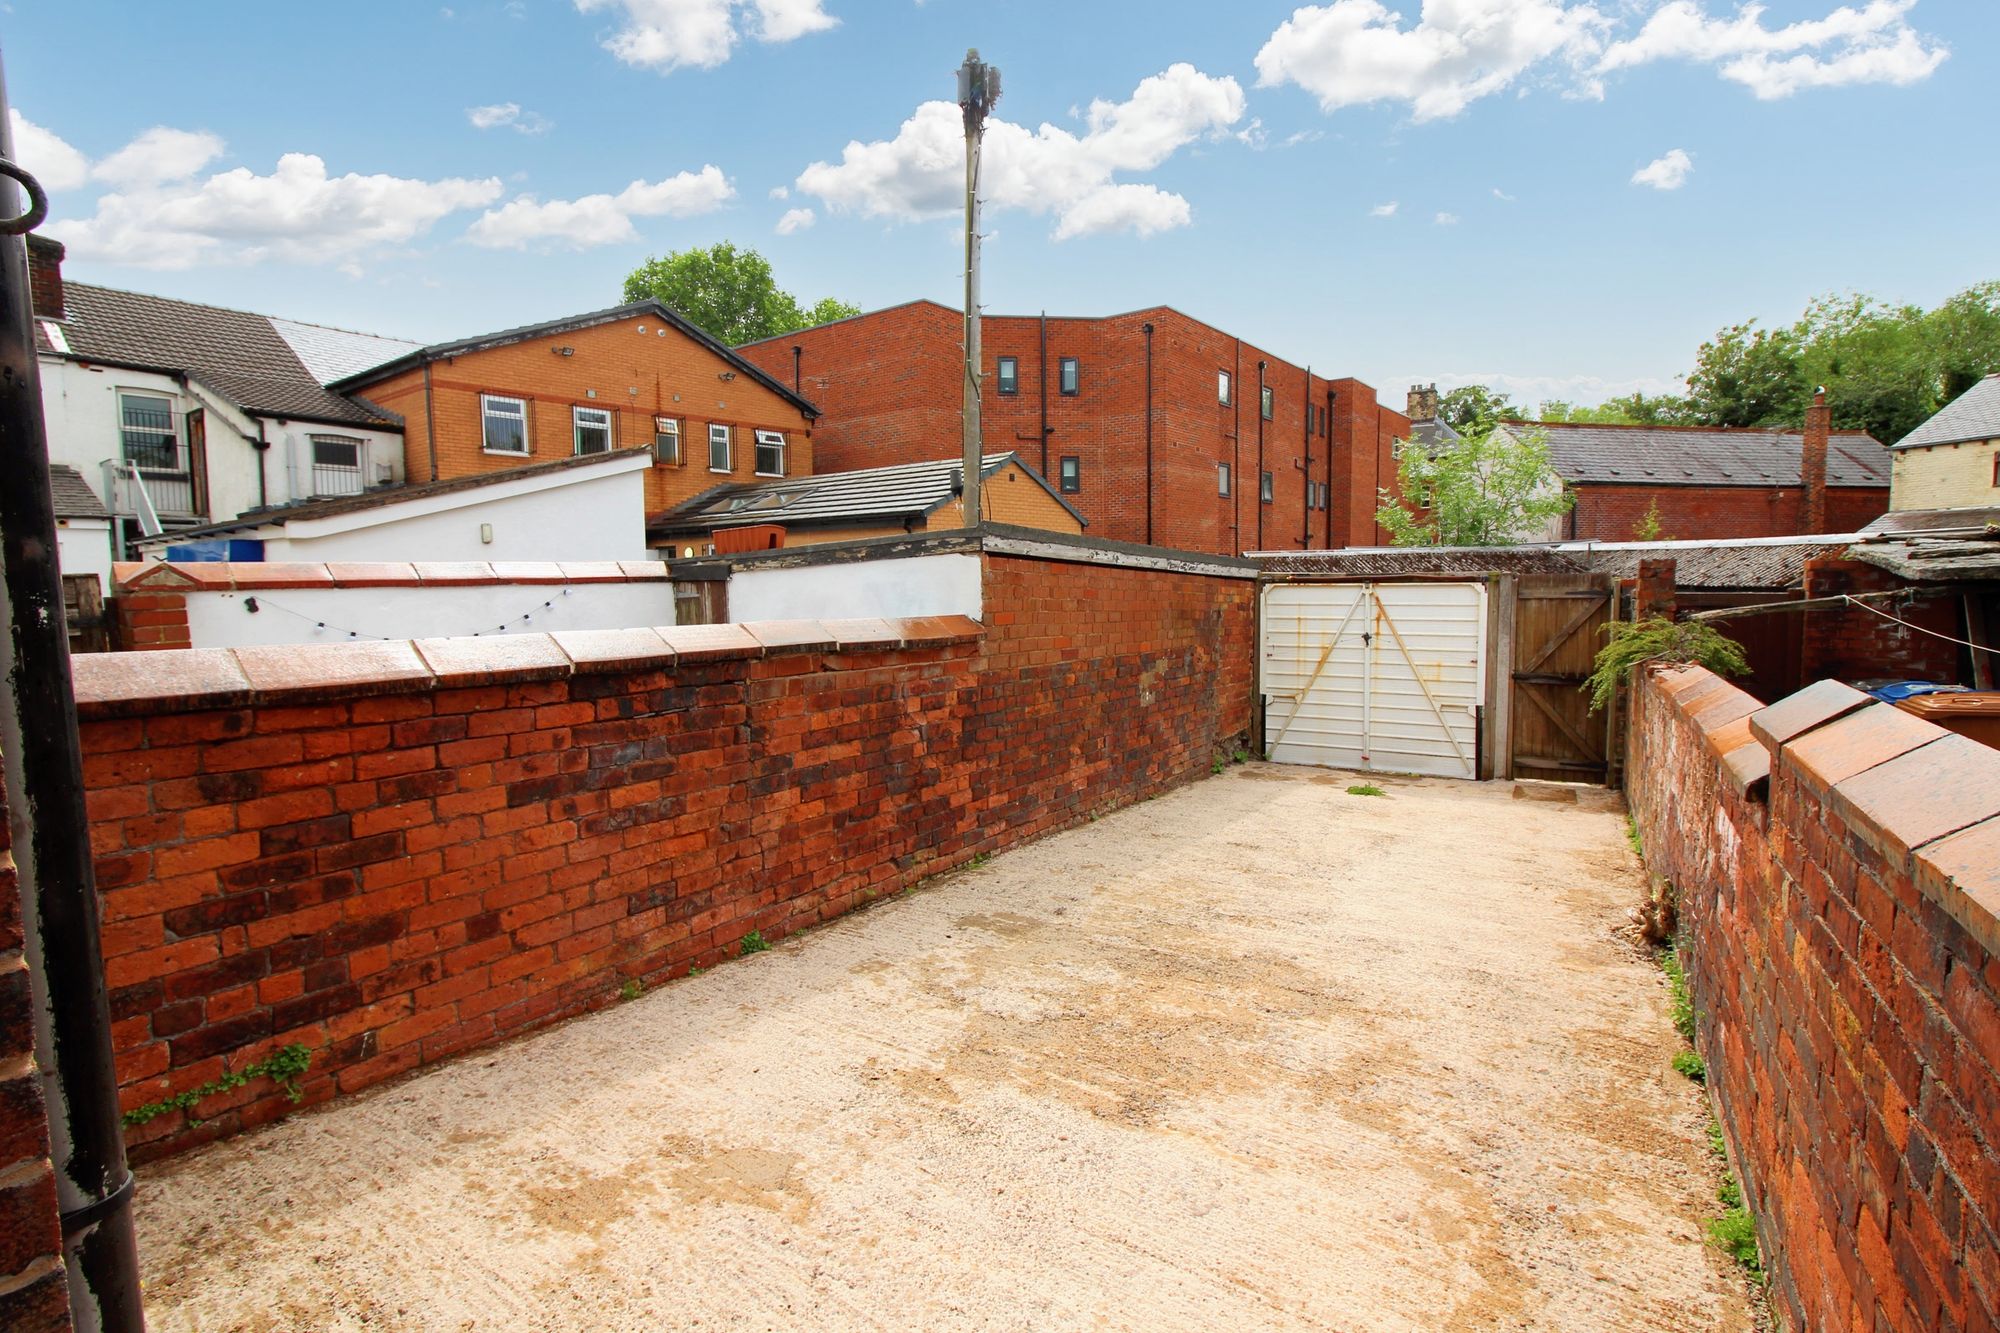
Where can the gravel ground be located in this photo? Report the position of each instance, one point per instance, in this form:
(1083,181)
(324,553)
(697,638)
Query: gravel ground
(1259,1054)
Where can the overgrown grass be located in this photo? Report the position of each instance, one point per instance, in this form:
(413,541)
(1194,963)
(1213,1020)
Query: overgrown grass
(1660,640)
(1365,789)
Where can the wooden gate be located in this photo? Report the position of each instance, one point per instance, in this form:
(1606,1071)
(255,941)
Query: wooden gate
(1559,624)
(83,608)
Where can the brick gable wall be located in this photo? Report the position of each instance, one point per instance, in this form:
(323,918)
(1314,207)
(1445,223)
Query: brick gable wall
(1695,513)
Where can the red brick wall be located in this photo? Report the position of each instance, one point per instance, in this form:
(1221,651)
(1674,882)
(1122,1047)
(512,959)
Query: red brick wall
(34,1292)
(889,386)
(1837,862)
(1850,643)
(1695,513)
(391,871)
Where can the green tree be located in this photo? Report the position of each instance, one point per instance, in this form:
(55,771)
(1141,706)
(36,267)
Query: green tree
(1747,376)
(1633,409)
(1465,407)
(729,294)
(1491,488)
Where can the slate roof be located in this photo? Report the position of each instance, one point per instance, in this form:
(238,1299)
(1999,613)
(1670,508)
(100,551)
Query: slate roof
(1933,520)
(883,494)
(1973,415)
(72,494)
(1586,455)
(659,310)
(1433,434)
(279,515)
(1933,559)
(1720,565)
(1388,563)
(238,355)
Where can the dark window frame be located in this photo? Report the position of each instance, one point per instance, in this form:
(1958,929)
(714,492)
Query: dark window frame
(1268,404)
(1069,475)
(1069,376)
(1225,388)
(1007,376)
(1267,489)
(1223,480)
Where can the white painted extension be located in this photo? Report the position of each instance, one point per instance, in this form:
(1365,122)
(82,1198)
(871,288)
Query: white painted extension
(1382,676)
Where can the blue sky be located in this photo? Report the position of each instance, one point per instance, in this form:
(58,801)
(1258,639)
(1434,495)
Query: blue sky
(1583,190)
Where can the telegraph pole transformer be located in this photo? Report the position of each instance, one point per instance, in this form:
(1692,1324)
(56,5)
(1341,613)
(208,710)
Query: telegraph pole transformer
(978,90)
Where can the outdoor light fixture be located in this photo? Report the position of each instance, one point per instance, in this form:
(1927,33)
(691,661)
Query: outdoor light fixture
(726,376)
(565,351)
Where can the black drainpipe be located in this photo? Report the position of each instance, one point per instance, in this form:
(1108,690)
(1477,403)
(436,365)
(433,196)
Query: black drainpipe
(798,354)
(1236,444)
(263,447)
(1042,378)
(1149,434)
(1329,469)
(430,420)
(1260,455)
(43,765)
(1306,518)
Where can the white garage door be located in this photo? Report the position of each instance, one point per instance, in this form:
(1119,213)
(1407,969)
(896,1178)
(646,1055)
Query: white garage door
(1384,676)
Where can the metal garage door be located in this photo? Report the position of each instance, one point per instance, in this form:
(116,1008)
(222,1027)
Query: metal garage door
(1385,676)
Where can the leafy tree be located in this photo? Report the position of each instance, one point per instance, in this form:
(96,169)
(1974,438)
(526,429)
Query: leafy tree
(1465,407)
(1634,409)
(1491,488)
(728,294)
(1747,376)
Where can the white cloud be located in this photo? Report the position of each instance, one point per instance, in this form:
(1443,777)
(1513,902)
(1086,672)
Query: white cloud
(795,219)
(667,34)
(1252,135)
(921,172)
(1356,52)
(298,213)
(1447,219)
(1352,52)
(599,219)
(157,156)
(1665,173)
(1873,43)
(1297,137)
(1503,196)
(508,115)
(780,192)
(52,161)
(1387,210)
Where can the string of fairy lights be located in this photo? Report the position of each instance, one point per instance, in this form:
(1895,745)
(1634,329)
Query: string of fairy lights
(507,625)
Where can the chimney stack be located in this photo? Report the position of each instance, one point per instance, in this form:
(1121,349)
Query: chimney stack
(45,284)
(1423,402)
(1812,461)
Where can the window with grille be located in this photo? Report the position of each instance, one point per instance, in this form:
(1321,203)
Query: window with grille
(336,465)
(592,429)
(146,430)
(718,447)
(1007,375)
(503,424)
(667,441)
(770,454)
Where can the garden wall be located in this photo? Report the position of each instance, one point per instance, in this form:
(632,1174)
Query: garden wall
(1838,869)
(393,852)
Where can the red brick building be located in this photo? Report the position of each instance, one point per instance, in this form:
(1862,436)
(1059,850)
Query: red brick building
(1157,427)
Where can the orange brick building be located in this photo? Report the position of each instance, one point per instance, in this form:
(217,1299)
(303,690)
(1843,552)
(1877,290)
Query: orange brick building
(1157,427)
(612,379)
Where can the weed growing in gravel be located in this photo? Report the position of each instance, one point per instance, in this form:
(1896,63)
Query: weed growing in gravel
(1365,789)
(632,989)
(1691,1066)
(754,942)
(696,969)
(1632,836)
(1215,767)
(1240,757)
(979,859)
(1733,1231)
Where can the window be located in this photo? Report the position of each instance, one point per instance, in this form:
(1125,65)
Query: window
(146,429)
(1266,488)
(1009,375)
(592,426)
(1269,403)
(718,447)
(336,465)
(503,424)
(1071,474)
(1222,478)
(1996,469)
(770,454)
(667,441)
(1222,387)
(1071,374)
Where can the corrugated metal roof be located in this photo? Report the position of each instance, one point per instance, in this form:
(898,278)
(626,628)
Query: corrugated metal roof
(1973,415)
(902,491)
(1586,454)
(239,355)
(72,494)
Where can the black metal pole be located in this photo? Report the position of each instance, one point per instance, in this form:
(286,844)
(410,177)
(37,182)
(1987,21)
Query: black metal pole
(44,772)
(1149,434)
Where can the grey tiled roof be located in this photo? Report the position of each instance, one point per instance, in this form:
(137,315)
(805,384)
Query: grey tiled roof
(1933,520)
(1718,565)
(1421,560)
(1973,415)
(1431,434)
(72,494)
(1702,455)
(238,355)
(833,498)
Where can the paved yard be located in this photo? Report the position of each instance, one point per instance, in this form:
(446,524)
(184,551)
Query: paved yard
(1256,1055)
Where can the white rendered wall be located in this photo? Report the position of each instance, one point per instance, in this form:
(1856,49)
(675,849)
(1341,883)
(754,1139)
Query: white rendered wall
(292,615)
(83,546)
(931,585)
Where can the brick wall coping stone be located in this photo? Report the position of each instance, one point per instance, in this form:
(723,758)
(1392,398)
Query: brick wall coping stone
(182,680)
(1927,801)
(252,576)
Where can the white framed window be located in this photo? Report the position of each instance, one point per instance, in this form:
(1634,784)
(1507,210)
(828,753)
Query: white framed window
(667,441)
(503,424)
(591,427)
(1222,478)
(146,431)
(1222,387)
(770,453)
(718,447)
(336,464)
